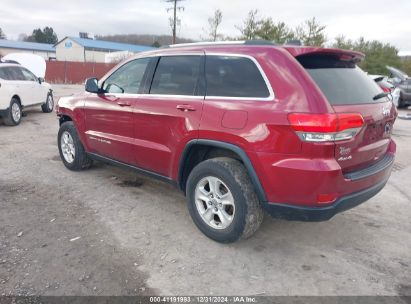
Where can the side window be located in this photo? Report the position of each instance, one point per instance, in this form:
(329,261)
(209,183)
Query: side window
(229,76)
(15,73)
(128,78)
(3,74)
(28,75)
(176,75)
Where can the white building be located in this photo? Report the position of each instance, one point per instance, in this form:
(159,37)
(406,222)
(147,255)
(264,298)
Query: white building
(47,51)
(405,55)
(89,50)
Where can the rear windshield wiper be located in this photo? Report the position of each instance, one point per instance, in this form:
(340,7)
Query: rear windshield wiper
(379,96)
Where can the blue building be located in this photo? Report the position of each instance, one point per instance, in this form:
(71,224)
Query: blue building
(89,50)
(47,51)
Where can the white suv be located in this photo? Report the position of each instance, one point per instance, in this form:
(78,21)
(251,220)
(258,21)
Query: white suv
(20,88)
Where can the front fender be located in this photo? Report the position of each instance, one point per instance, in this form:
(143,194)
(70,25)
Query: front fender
(73,108)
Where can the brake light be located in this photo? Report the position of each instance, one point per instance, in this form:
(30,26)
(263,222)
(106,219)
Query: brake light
(326,127)
(386,90)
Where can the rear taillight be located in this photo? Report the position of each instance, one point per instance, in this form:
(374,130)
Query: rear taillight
(326,127)
(386,90)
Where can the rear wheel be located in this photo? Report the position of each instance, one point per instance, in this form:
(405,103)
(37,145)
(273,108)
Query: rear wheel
(222,201)
(401,102)
(14,114)
(71,149)
(49,105)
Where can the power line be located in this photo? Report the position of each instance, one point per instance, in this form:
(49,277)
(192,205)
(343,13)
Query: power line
(174,20)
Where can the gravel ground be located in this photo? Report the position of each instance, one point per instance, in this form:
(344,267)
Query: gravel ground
(107,231)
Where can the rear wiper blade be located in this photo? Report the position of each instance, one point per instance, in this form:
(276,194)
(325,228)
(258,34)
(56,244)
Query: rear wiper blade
(380,95)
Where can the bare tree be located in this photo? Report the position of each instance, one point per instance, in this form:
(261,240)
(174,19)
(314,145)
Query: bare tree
(174,20)
(22,37)
(2,34)
(213,25)
(311,32)
(250,26)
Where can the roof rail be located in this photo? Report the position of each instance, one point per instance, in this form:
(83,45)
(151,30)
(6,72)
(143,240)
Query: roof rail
(206,43)
(9,61)
(295,42)
(235,42)
(259,42)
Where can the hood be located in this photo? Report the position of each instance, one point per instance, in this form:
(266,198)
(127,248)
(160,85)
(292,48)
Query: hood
(397,73)
(35,63)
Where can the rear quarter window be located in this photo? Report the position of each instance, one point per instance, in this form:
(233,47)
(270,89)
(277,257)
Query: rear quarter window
(3,74)
(342,82)
(231,76)
(14,73)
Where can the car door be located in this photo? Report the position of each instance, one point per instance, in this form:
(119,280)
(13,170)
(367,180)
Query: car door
(38,92)
(167,116)
(109,115)
(5,95)
(19,85)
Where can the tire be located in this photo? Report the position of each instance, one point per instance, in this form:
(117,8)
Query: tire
(401,103)
(231,178)
(49,105)
(71,149)
(14,113)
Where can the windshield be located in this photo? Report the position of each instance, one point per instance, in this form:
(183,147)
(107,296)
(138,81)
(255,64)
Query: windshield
(342,82)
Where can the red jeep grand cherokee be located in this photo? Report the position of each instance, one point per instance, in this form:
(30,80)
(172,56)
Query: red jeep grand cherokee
(300,132)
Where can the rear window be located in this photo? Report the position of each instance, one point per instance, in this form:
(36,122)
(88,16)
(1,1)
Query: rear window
(342,82)
(3,74)
(14,73)
(229,76)
(176,75)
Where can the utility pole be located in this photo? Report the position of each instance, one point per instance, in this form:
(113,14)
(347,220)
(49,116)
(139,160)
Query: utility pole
(174,20)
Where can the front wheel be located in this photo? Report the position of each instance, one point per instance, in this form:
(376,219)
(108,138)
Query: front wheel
(14,113)
(48,106)
(71,149)
(222,201)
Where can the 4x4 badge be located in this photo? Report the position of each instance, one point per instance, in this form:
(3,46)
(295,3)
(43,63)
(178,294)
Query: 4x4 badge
(386,111)
(387,129)
(345,151)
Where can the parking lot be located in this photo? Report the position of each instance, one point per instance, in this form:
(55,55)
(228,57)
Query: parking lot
(107,231)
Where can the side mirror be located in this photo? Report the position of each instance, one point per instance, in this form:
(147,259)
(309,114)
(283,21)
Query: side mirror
(113,88)
(41,80)
(92,85)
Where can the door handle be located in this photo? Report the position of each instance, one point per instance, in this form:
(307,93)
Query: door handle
(123,103)
(185,108)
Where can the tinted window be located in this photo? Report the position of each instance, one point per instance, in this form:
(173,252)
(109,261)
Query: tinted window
(342,82)
(234,77)
(28,75)
(128,78)
(3,74)
(15,73)
(176,75)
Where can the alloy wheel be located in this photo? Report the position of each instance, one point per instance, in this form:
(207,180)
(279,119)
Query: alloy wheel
(214,202)
(67,147)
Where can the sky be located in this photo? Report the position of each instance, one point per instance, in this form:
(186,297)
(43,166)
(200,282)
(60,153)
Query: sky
(388,21)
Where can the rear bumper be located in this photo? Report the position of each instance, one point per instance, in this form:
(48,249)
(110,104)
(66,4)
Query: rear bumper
(300,188)
(318,214)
